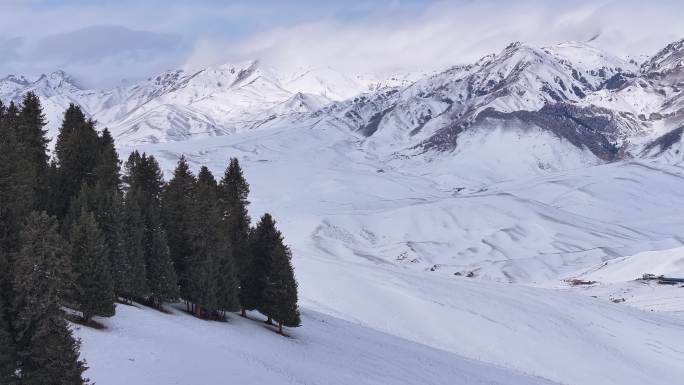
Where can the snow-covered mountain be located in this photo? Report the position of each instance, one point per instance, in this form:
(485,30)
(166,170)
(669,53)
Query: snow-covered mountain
(434,221)
(579,94)
(182,104)
(432,112)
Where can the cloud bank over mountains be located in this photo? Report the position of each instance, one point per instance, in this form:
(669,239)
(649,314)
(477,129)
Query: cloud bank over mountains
(102,43)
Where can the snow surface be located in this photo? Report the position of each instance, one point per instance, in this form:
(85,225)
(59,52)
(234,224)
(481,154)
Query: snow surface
(417,266)
(618,280)
(669,263)
(143,346)
(378,239)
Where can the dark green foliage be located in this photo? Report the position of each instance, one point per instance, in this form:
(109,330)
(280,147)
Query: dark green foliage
(272,286)
(16,180)
(129,269)
(144,174)
(177,203)
(280,293)
(17,187)
(212,283)
(204,235)
(108,207)
(79,152)
(94,293)
(47,352)
(30,130)
(161,277)
(144,184)
(8,363)
(227,298)
(264,240)
(232,195)
(108,170)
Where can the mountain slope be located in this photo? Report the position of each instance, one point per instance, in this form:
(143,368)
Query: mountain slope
(146,347)
(379,243)
(180,104)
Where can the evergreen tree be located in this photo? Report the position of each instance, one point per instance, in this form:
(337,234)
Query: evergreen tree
(177,203)
(264,241)
(47,352)
(8,362)
(16,193)
(144,183)
(78,153)
(144,174)
(161,277)
(204,234)
(233,191)
(91,267)
(279,299)
(129,270)
(108,171)
(227,298)
(31,123)
(16,179)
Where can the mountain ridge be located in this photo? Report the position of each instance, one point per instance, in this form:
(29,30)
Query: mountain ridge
(401,113)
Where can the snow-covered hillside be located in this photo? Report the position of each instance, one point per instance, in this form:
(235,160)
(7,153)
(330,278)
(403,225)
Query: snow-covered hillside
(434,223)
(145,347)
(180,104)
(389,244)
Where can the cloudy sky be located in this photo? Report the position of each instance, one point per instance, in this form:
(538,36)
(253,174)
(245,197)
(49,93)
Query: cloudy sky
(103,42)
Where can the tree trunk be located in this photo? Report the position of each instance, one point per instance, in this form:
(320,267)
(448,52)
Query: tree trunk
(269,321)
(243,312)
(280,327)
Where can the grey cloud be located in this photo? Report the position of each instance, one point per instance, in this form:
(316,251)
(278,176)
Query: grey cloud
(98,56)
(103,41)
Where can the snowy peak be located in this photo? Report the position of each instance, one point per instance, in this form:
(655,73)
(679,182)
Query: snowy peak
(19,80)
(55,83)
(667,61)
(57,80)
(588,63)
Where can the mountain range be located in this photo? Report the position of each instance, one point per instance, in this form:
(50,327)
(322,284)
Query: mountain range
(612,107)
(494,213)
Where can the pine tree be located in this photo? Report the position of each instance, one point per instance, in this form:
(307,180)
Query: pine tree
(91,267)
(78,152)
(31,123)
(144,183)
(161,277)
(107,205)
(16,179)
(8,362)
(108,170)
(227,298)
(177,201)
(16,193)
(144,174)
(204,234)
(46,350)
(279,299)
(129,271)
(264,241)
(232,194)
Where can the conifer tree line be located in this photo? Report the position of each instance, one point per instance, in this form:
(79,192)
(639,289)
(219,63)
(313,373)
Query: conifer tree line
(79,232)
